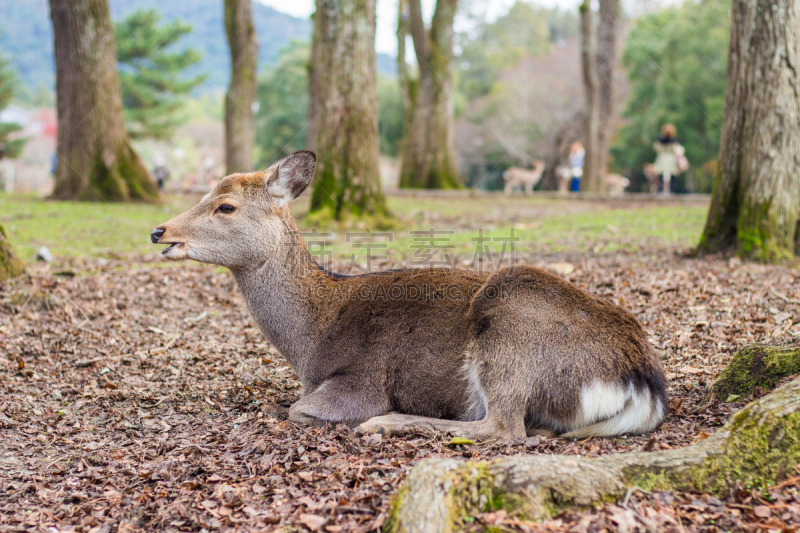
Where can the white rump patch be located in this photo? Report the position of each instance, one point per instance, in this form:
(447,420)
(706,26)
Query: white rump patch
(477,405)
(609,409)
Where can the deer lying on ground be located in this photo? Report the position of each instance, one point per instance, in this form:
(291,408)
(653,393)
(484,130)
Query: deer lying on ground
(520,177)
(478,355)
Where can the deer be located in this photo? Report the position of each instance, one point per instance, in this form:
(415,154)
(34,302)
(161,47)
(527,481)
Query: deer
(615,185)
(515,177)
(481,355)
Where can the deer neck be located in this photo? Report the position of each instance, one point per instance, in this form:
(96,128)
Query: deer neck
(274,292)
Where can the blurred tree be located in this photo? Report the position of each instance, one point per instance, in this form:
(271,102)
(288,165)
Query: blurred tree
(345,110)
(599,60)
(428,149)
(390,115)
(756,204)
(562,25)
(282,98)
(9,147)
(241,95)
(676,64)
(154,90)
(591,87)
(523,32)
(95,158)
(534,111)
(607,61)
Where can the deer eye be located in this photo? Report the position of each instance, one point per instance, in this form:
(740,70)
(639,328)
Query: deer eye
(226,209)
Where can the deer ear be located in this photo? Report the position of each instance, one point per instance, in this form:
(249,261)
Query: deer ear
(291,177)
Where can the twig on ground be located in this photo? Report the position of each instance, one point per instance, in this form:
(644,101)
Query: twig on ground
(783,296)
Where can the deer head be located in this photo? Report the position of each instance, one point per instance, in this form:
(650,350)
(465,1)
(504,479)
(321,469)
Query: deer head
(242,221)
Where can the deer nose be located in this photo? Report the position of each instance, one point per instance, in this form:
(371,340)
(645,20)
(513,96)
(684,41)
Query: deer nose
(156,234)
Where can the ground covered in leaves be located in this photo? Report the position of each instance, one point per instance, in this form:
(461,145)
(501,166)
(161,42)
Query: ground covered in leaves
(139,396)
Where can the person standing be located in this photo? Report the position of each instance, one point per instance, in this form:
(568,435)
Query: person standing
(668,152)
(576,157)
(160,171)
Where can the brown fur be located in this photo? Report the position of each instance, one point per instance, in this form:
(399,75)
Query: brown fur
(476,354)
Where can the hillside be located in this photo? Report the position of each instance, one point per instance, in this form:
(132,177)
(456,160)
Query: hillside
(26,36)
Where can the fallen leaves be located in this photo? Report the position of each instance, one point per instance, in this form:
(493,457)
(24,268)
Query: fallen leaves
(116,411)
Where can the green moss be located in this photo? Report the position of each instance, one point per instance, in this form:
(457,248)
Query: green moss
(126,180)
(761,238)
(392,524)
(10,265)
(474,491)
(756,366)
(759,451)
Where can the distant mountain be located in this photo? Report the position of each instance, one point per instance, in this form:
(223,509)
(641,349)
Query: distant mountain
(26,36)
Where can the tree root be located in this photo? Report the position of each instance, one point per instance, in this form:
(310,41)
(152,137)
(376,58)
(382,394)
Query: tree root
(755,366)
(760,444)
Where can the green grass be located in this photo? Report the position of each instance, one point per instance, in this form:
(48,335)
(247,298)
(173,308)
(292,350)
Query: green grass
(82,229)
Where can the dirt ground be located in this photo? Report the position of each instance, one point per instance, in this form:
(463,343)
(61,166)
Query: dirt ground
(139,396)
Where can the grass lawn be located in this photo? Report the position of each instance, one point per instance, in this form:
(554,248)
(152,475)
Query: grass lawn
(542,225)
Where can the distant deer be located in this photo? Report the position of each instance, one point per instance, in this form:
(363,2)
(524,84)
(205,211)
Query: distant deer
(615,185)
(516,177)
(479,355)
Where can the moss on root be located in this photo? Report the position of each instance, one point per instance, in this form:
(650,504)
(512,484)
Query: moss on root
(475,491)
(756,366)
(11,266)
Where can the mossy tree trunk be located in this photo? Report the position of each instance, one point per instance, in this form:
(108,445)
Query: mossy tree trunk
(606,66)
(590,181)
(239,122)
(756,203)
(760,444)
(10,265)
(428,158)
(755,367)
(346,104)
(95,158)
(598,63)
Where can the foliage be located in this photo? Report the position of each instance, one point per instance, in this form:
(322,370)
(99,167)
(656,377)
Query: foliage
(676,61)
(11,147)
(154,86)
(495,46)
(282,96)
(390,115)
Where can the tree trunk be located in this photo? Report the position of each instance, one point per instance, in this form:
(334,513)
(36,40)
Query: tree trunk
(346,102)
(95,158)
(591,180)
(761,442)
(10,265)
(756,203)
(606,63)
(429,150)
(239,122)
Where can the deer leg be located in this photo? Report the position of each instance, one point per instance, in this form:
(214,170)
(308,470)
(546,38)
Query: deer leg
(479,430)
(339,400)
